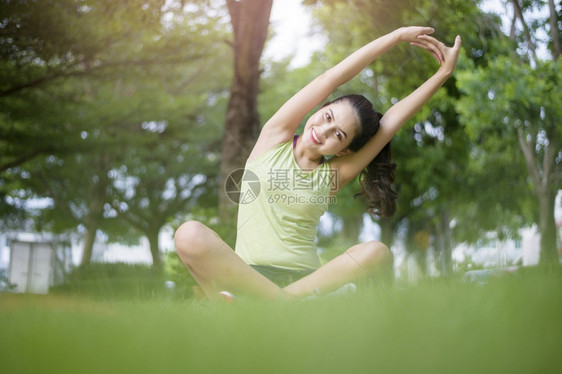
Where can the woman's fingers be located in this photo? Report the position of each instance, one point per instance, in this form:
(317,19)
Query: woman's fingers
(455,51)
(411,33)
(435,55)
(427,30)
(432,45)
(446,56)
(458,42)
(435,45)
(431,39)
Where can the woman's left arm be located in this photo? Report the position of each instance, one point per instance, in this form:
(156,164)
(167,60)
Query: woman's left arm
(350,165)
(402,111)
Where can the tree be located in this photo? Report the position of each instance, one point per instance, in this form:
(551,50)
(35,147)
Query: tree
(78,99)
(162,179)
(502,112)
(523,112)
(250,21)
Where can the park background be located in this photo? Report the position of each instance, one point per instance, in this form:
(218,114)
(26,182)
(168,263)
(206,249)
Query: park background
(120,120)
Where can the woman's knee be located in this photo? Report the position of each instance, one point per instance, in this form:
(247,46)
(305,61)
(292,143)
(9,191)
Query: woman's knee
(192,239)
(377,254)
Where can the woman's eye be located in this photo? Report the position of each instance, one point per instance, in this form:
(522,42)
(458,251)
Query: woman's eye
(338,134)
(328,117)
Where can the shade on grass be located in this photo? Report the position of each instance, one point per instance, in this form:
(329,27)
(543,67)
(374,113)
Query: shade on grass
(509,325)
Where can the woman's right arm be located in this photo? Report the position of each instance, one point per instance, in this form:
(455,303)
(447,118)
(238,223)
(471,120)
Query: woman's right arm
(281,127)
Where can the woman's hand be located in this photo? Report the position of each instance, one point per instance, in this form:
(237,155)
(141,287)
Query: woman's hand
(410,33)
(446,56)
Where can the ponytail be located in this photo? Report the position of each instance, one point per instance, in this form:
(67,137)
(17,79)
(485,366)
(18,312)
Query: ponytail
(376,184)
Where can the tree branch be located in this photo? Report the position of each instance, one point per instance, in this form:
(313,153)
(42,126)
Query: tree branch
(90,70)
(554,30)
(58,200)
(512,28)
(24,158)
(528,151)
(517,10)
(548,163)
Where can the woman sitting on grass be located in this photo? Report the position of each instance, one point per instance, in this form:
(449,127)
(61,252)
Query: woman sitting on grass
(275,254)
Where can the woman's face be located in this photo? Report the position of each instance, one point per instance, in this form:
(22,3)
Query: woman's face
(330,130)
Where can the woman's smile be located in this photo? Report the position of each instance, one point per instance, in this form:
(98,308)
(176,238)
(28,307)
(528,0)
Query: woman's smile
(315,137)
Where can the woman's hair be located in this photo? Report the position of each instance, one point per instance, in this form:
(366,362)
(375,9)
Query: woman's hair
(376,179)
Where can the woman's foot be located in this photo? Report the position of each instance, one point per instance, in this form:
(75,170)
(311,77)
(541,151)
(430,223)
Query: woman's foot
(227,297)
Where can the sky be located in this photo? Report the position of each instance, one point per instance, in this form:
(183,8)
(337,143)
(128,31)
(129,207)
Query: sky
(292,26)
(293,30)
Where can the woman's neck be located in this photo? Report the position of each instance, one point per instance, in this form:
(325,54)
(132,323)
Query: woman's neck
(305,158)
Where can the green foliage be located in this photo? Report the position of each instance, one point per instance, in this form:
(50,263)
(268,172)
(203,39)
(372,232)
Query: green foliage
(495,108)
(176,272)
(279,83)
(111,111)
(113,281)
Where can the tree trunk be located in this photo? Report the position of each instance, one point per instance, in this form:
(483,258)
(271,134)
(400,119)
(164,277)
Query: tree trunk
(387,231)
(444,242)
(547,226)
(250,21)
(95,213)
(92,223)
(88,245)
(352,228)
(155,249)
(544,178)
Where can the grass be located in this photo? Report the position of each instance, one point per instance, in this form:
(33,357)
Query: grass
(509,325)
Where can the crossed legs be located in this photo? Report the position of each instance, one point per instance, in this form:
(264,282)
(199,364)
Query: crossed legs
(216,267)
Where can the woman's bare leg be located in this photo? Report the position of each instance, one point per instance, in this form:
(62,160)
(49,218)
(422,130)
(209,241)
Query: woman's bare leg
(370,259)
(216,267)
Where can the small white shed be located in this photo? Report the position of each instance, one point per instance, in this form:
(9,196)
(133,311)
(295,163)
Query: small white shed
(32,266)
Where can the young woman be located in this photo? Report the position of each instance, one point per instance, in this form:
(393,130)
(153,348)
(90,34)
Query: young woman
(275,253)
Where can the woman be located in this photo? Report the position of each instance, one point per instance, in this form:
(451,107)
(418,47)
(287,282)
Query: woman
(276,229)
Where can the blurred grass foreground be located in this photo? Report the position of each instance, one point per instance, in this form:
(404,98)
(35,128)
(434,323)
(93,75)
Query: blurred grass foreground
(511,324)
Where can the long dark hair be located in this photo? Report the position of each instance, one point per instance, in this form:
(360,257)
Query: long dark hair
(376,179)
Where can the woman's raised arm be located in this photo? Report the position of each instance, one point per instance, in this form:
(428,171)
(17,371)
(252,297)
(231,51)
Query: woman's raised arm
(352,164)
(403,110)
(285,121)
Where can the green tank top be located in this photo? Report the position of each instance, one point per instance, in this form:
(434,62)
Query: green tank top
(280,206)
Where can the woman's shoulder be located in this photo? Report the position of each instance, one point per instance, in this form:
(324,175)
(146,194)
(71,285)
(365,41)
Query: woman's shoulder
(267,141)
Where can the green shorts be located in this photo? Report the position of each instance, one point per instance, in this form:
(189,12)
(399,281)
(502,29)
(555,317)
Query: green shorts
(282,277)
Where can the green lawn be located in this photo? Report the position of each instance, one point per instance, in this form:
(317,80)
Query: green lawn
(508,326)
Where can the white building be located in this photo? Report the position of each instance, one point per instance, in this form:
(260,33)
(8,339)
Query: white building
(36,261)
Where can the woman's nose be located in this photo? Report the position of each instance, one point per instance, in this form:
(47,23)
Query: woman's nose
(327,128)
